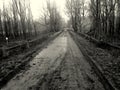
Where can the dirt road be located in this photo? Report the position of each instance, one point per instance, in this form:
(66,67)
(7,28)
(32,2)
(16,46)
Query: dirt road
(60,66)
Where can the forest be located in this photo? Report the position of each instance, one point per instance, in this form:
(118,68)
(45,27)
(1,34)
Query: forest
(98,18)
(103,17)
(17,22)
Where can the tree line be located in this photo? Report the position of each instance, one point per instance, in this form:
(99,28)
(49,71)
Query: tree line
(76,10)
(52,18)
(16,20)
(104,17)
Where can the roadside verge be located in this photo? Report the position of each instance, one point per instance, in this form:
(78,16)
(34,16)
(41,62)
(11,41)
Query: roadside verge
(108,85)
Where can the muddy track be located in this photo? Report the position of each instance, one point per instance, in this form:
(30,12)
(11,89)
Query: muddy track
(60,66)
(51,80)
(105,82)
(26,59)
(70,75)
(44,63)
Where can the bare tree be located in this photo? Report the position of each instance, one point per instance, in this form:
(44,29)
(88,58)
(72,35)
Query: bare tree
(104,19)
(76,12)
(16,20)
(51,16)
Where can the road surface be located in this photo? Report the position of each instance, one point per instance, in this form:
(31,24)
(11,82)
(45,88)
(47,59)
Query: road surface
(60,66)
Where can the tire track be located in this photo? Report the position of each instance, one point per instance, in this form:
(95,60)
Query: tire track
(98,71)
(72,73)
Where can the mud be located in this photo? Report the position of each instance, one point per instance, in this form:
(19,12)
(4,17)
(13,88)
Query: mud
(60,66)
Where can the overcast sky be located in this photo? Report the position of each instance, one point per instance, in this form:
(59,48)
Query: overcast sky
(37,6)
